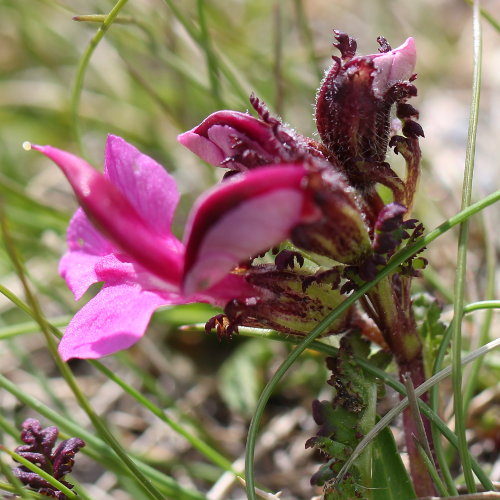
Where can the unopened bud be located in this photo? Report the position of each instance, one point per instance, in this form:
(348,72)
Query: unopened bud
(354,103)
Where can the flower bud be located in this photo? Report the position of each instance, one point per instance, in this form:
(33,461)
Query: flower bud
(355,99)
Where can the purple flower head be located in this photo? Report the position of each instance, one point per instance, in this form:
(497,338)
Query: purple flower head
(39,451)
(354,100)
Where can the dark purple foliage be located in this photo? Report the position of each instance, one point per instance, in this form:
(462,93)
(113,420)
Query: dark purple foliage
(39,451)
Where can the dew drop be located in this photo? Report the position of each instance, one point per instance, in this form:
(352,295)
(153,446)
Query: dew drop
(27,145)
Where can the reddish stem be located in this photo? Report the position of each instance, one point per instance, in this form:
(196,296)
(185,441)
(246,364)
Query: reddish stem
(391,300)
(422,481)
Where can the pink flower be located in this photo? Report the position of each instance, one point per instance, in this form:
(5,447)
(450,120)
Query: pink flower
(122,236)
(282,186)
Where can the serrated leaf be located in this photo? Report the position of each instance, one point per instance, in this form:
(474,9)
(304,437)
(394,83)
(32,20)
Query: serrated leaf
(345,420)
(390,479)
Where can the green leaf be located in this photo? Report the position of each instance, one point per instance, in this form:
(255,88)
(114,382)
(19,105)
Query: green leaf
(390,479)
(430,327)
(241,377)
(186,314)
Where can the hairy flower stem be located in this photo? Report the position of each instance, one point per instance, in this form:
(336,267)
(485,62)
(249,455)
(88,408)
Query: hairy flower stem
(391,299)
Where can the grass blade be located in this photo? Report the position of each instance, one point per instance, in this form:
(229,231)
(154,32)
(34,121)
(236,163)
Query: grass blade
(83,65)
(459,288)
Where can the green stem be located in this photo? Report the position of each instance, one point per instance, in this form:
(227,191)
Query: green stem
(21,491)
(10,331)
(100,18)
(279,84)
(434,392)
(432,470)
(484,332)
(486,14)
(206,45)
(391,414)
(17,487)
(394,317)
(308,37)
(459,289)
(212,455)
(323,325)
(83,64)
(438,446)
(223,66)
(421,436)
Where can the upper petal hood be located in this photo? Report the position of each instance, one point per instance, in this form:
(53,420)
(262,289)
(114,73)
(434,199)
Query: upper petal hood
(216,139)
(394,66)
(240,142)
(242,217)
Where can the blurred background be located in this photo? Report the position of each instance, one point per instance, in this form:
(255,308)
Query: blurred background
(147,81)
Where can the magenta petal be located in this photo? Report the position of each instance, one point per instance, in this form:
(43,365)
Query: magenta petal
(114,319)
(243,122)
(203,147)
(86,247)
(239,219)
(82,236)
(147,185)
(112,213)
(78,269)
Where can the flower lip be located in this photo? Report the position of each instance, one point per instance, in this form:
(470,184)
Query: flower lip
(113,214)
